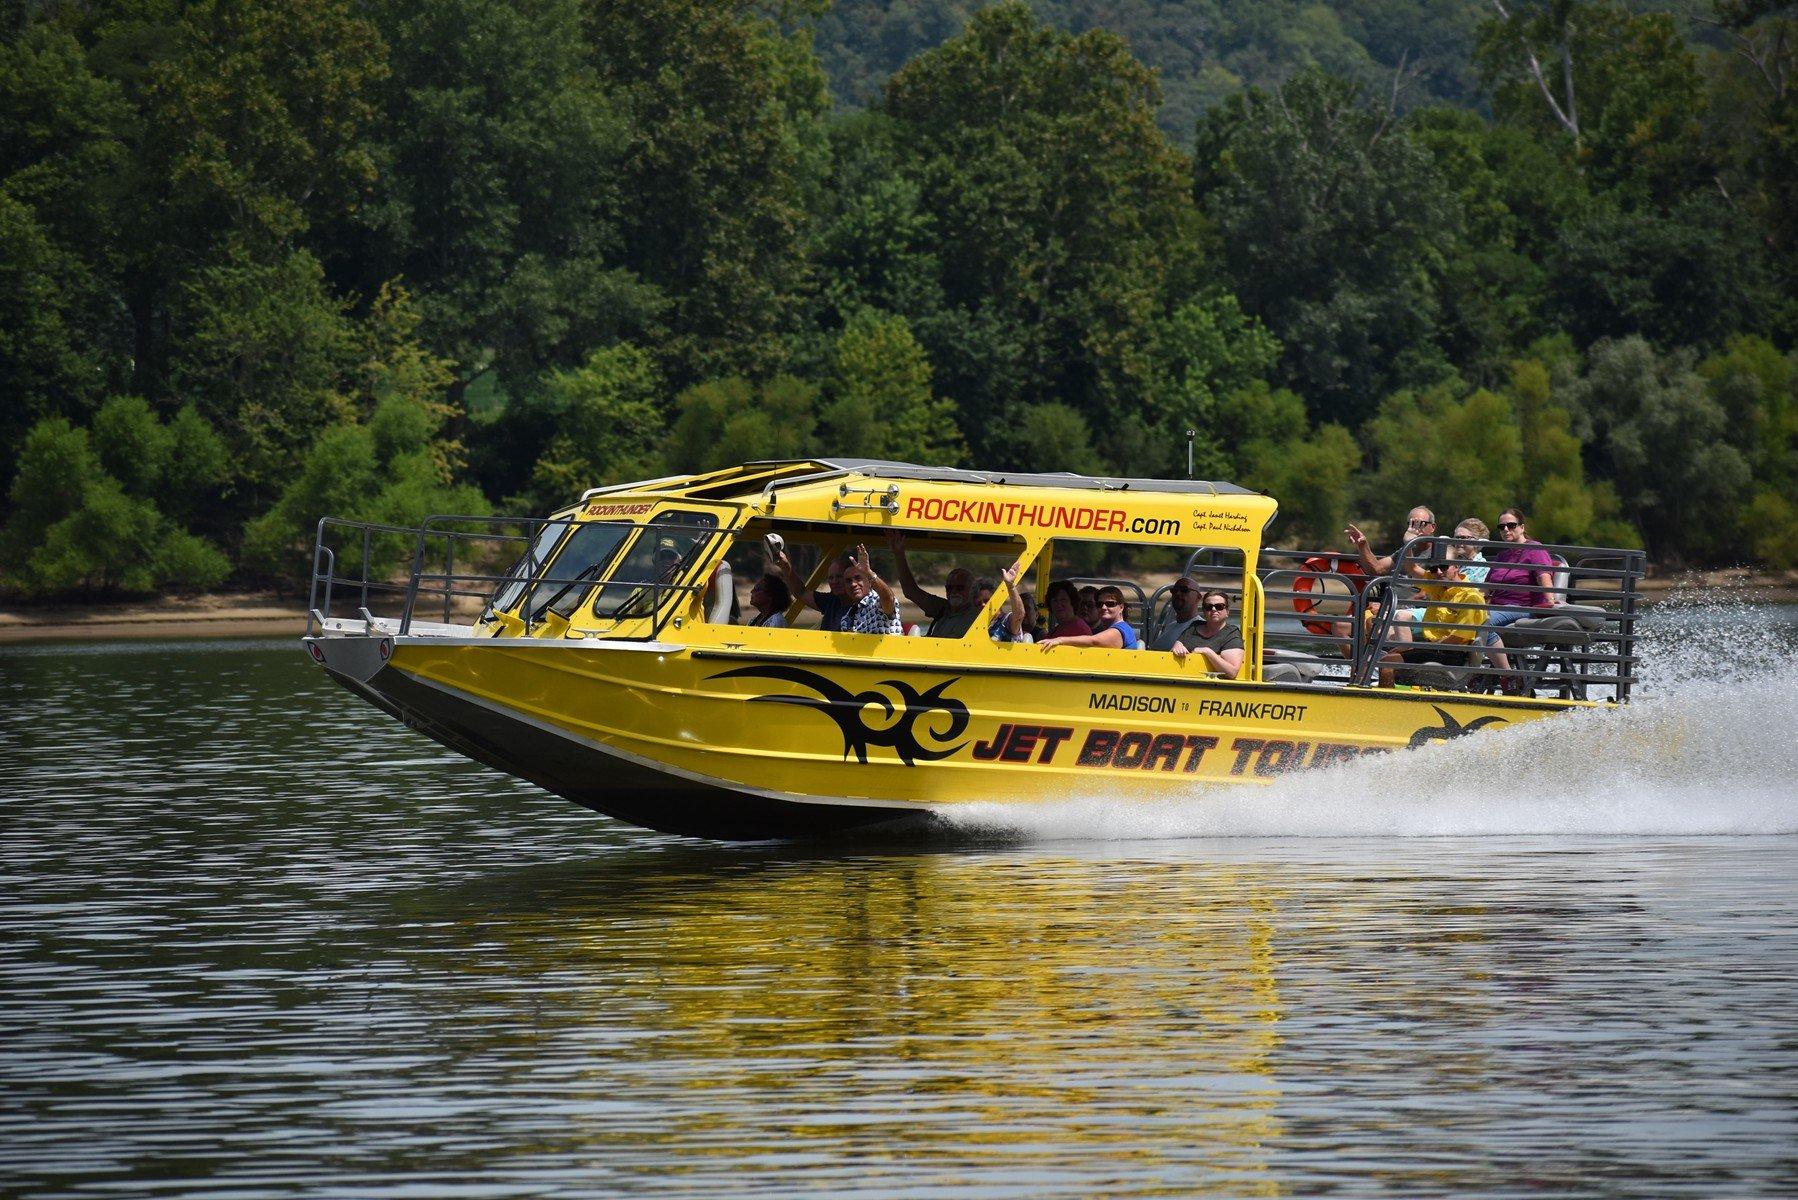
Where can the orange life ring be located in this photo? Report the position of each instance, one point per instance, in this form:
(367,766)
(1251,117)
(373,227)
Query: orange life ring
(1318,565)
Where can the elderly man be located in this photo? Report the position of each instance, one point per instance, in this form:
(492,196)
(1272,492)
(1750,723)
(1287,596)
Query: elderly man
(1421,523)
(859,600)
(952,614)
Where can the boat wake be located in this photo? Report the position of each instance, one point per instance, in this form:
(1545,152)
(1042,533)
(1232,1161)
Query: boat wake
(1704,750)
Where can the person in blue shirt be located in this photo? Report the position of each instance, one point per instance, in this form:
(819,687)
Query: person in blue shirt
(1112,632)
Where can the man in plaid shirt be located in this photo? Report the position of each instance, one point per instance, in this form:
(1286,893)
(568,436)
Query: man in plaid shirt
(859,601)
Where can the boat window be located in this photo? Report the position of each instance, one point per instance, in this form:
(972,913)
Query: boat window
(583,557)
(528,565)
(662,555)
(1147,576)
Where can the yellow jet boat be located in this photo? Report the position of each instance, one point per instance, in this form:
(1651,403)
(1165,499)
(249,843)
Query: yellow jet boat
(603,665)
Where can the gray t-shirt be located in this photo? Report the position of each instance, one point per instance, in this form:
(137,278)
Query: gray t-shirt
(1193,638)
(953,624)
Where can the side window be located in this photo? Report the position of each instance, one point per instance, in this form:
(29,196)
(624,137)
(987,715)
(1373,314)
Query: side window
(529,564)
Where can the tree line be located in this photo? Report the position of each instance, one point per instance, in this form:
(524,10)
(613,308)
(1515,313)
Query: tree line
(263,262)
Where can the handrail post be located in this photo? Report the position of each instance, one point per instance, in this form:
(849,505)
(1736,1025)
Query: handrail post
(418,564)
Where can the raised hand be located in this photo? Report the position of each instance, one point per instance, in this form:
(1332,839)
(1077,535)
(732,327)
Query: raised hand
(1356,538)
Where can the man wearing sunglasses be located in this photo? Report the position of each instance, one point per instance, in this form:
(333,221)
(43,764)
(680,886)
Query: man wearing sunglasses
(1421,523)
(951,614)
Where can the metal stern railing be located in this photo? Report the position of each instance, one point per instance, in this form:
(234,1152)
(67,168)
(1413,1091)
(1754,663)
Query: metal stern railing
(1323,609)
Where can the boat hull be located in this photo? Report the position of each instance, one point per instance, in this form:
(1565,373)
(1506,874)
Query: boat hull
(753,744)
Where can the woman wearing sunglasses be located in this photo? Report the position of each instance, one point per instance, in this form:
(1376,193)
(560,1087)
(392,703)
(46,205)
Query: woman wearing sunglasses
(1113,632)
(1213,638)
(1521,563)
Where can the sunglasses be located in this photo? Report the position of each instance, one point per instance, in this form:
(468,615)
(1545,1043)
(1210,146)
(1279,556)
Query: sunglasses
(1506,526)
(1111,604)
(1217,608)
(1418,524)
(1180,589)
(1433,567)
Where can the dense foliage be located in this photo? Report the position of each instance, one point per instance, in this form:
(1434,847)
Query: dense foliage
(260,262)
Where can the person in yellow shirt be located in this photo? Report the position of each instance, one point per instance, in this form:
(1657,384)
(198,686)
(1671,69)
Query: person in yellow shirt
(1449,626)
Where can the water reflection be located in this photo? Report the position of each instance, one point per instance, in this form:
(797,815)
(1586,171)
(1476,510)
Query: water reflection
(259,940)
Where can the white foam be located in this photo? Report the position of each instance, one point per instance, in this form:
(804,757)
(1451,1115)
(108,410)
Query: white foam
(1704,750)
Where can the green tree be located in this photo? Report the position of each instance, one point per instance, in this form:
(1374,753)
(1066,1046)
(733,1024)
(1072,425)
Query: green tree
(63,159)
(1461,457)
(1204,350)
(1690,276)
(880,403)
(725,141)
(1271,446)
(1058,215)
(381,470)
(77,529)
(1654,429)
(1334,228)
(500,190)
(1045,437)
(725,421)
(608,426)
(1620,89)
(265,351)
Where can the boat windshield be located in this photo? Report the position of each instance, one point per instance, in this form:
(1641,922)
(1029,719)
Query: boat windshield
(583,557)
(660,557)
(528,565)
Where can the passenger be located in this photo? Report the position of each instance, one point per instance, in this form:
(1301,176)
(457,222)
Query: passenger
(873,605)
(858,601)
(1182,610)
(1018,620)
(1518,565)
(831,601)
(983,591)
(1213,638)
(1421,523)
(1064,619)
(1473,563)
(951,615)
(1113,631)
(1088,608)
(1454,604)
(770,598)
(1512,569)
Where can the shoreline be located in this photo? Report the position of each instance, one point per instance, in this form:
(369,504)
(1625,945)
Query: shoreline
(264,615)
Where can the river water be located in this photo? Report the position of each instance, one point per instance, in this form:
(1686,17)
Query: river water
(259,940)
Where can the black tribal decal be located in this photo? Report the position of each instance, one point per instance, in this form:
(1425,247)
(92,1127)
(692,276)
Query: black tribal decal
(845,708)
(1450,728)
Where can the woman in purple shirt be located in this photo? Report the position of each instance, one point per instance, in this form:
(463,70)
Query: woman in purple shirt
(1508,584)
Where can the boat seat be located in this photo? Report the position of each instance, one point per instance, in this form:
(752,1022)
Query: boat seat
(1438,677)
(1563,634)
(1289,666)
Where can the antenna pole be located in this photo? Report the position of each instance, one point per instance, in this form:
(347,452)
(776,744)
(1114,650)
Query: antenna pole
(1190,434)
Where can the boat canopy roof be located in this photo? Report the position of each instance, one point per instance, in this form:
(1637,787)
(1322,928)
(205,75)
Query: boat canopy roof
(874,492)
(742,483)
